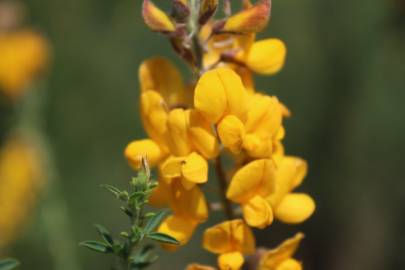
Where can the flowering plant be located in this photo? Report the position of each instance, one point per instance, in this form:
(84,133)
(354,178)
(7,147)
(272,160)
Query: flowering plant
(215,119)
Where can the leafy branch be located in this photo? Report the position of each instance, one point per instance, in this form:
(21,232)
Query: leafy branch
(143,226)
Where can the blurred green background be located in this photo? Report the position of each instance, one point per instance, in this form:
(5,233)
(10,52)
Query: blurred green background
(344,81)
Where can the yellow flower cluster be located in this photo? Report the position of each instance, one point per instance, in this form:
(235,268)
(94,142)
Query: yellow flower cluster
(183,136)
(23,54)
(20,179)
(221,236)
(221,112)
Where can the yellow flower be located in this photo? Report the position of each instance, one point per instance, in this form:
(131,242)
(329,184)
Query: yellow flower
(288,206)
(20,179)
(231,239)
(23,55)
(257,132)
(160,75)
(265,56)
(245,121)
(249,187)
(280,258)
(189,209)
(171,129)
(220,92)
(222,44)
(189,170)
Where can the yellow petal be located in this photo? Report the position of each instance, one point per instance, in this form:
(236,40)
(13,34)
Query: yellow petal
(242,237)
(266,56)
(289,264)
(235,91)
(264,116)
(177,126)
(230,261)
(278,153)
(155,18)
(289,174)
(202,136)
(154,115)
(257,212)
(136,150)
(220,91)
(284,251)
(210,97)
(295,208)
(257,147)
(160,75)
(229,236)
(190,204)
(301,170)
(195,168)
(255,178)
(231,131)
(286,112)
(195,266)
(187,184)
(218,239)
(171,167)
(251,19)
(179,228)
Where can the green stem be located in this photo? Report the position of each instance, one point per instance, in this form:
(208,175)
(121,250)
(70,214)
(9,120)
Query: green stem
(223,185)
(194,28)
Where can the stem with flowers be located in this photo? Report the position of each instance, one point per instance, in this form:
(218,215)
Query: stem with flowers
(220,111)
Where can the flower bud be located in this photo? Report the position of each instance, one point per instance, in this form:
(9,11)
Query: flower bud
(207,10)
(250,20)
(156,19)
(180,10)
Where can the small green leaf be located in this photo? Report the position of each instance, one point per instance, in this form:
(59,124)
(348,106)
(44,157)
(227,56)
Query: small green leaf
(96,246)
(112,189)
(8,264)
(104,233)
(163,238)
(154,221)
